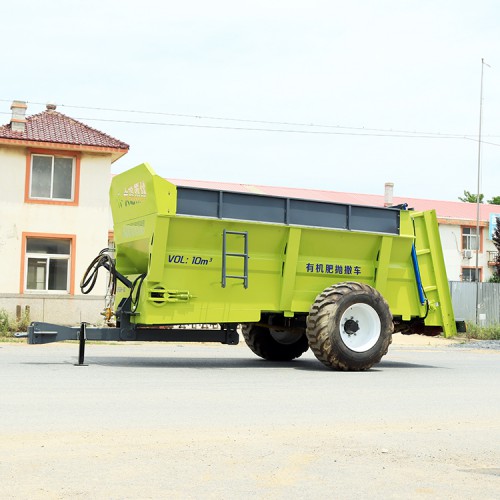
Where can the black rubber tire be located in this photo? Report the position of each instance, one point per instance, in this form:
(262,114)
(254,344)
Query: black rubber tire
(324,329)
(261,342)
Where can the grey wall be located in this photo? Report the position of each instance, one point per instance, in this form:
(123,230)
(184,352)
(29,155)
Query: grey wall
(70,310)
(463,297)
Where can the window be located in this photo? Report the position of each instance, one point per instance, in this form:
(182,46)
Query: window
(469,238)
(469,274)
(52,177)
(48,264)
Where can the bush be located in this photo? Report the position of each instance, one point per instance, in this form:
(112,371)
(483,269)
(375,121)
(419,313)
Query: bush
(483,332)
(8,325)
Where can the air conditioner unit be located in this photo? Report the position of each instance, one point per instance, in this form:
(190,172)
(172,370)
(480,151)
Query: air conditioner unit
(467,254)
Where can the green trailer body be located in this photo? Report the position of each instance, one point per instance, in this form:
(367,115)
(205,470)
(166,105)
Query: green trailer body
(294,273)
(181,258)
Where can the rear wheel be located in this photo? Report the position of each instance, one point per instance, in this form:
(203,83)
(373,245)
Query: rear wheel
(350,326)
(275,343)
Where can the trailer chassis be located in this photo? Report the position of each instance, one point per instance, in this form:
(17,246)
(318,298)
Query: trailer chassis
(45,333)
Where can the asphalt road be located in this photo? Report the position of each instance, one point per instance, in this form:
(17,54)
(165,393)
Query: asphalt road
(210,421)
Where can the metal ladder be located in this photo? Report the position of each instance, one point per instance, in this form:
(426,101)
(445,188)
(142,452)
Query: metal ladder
(243,255)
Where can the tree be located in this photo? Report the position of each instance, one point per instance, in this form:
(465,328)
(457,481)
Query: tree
(494,201)
(496,241)
(469,197)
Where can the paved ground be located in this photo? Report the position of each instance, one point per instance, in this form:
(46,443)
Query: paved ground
(211,421)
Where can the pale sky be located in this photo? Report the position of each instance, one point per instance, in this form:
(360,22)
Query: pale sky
(356,70)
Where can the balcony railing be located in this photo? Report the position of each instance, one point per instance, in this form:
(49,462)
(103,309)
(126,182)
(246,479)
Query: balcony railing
(492,258)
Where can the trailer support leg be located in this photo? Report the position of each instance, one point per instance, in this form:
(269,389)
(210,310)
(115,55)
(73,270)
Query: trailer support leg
(232,337)
(81,348)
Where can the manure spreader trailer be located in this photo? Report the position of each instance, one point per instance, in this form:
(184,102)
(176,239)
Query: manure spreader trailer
(202,265)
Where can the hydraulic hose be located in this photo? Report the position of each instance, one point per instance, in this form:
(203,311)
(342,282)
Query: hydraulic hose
(89,278)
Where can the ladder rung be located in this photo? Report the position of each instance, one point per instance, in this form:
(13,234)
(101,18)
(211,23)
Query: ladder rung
(226,254)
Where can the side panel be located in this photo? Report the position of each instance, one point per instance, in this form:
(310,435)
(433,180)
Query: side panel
(433,272)
(287,267)
(274,209)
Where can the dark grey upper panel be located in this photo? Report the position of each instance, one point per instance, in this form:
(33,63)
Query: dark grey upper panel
(263,208)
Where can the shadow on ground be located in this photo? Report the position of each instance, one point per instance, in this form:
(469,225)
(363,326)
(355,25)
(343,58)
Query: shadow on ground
(206,363)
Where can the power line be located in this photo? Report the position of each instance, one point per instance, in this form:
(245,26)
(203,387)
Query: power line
(339,130)
(246,120)
(290,131)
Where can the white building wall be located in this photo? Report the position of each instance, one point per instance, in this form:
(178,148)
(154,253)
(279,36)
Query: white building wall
(92,218)
(89,221)
(454,257)
(12,177)
(450,241)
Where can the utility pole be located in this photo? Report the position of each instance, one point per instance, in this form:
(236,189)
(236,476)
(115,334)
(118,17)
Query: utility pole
(478,242)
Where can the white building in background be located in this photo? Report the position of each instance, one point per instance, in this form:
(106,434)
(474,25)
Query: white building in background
(55,174)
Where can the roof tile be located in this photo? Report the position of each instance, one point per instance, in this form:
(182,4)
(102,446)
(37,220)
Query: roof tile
(57,128)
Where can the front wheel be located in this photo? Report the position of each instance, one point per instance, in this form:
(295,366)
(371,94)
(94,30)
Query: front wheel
(275,343)
(350,326)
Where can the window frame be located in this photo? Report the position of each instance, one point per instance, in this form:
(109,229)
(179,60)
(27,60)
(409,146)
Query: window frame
(463,268)
(75,188)
(480,236)
(70,289)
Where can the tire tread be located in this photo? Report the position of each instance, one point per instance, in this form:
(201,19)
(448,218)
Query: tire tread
(318,326)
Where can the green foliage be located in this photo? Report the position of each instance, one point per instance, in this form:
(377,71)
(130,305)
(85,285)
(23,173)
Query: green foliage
(496,241)
(469,197)
(494,201)
(483,332)
(4,322)
(8,325)
(496,234)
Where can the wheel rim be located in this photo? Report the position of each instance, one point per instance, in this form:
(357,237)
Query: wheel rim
(360,327)
(285,337)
